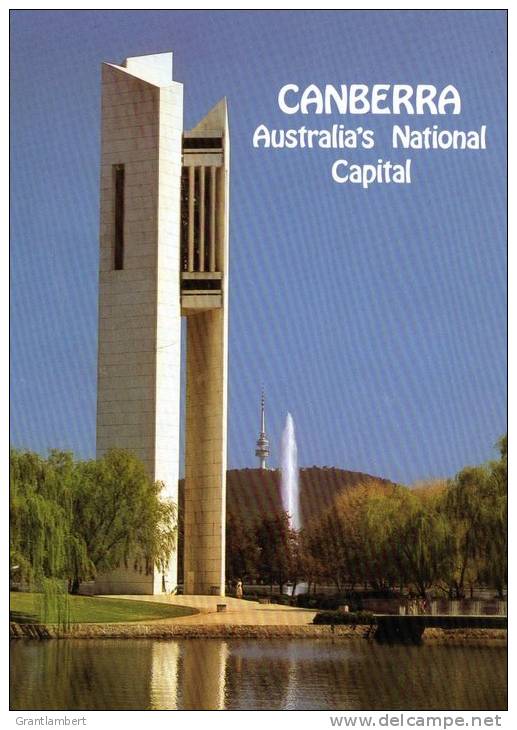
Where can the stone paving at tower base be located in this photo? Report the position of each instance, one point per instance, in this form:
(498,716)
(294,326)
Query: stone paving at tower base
(238,611)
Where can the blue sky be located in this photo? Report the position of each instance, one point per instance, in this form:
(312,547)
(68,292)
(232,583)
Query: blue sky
(378,318)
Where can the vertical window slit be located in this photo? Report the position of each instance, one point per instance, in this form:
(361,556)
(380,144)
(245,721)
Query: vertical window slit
(191,212)
(207,219)
(119,217)
(197,218)
(184,218)
(212,254)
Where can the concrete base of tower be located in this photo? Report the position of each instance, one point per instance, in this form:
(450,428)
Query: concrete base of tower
(204,508)
(197,586)
(128,581)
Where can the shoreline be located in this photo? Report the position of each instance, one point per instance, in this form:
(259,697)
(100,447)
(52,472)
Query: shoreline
(159,630)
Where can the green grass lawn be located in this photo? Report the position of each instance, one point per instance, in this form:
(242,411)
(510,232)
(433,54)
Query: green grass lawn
(27,608)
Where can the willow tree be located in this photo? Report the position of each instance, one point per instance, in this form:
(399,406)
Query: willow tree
(476,507)
(71,520)
(275,557)
(345,547)
(325,541)
(464,509)
(42,543)
(494,521)
(121,517)
(414,535)
(241,550)
(374,559)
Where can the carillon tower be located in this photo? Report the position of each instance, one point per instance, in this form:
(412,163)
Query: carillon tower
(164,255)
(204,301)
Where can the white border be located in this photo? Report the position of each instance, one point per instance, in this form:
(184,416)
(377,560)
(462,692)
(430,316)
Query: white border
(303,720)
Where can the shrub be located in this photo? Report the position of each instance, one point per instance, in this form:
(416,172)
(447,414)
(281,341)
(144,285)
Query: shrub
(252,596)
(352,599)
(328,603)
(281,599)
(332,618)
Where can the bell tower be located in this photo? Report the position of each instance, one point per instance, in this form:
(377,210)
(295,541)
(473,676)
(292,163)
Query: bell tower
(204,302)
(164,255)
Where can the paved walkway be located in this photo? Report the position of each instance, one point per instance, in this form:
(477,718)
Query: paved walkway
(238,611)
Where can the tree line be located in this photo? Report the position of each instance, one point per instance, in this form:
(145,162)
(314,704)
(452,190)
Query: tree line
(72,519)
(444,537)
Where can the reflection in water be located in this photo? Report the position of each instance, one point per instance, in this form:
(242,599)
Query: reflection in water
(203,671)
(80,674)
(163,685)
(251,674)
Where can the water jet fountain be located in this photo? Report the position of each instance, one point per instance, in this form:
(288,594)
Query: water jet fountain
(289,468)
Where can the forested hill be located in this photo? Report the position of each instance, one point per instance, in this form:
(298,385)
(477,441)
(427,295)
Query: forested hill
(254,493)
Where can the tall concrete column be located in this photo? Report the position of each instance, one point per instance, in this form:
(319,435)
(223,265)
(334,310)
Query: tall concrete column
(205,462)
(206,309)
(139,297)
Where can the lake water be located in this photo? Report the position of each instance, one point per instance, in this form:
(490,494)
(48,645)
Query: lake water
(249,674)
